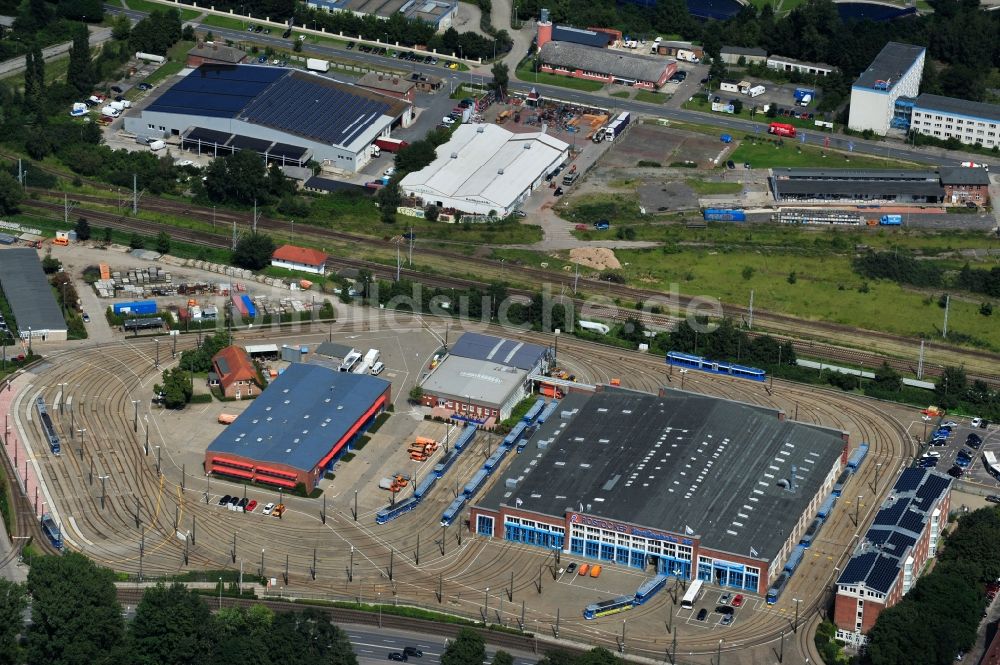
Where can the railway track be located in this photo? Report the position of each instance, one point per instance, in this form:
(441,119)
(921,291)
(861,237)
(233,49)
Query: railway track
(449,571)
(656,321)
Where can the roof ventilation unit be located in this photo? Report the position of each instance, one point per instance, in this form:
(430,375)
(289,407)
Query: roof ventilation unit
(480,129)
(499,171)
(454,155)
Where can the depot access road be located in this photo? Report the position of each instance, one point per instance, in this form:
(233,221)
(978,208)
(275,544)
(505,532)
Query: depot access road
(816,138)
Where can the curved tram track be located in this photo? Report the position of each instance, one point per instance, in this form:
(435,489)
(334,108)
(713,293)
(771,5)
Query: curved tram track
(104,383)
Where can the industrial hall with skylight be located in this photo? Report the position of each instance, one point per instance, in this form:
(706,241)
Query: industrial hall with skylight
(676,483)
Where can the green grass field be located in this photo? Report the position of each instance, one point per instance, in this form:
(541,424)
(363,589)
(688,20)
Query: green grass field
(525,74)
(710,187)
(231,22)
(623,94)
(763,154)
(651,97)
(148,6)
(825,288)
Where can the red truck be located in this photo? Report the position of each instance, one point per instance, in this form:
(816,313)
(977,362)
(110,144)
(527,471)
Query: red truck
(390,144)
(781,129)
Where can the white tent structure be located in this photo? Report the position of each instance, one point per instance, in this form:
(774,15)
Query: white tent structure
(485,168)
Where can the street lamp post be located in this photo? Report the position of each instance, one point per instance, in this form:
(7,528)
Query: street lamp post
(795,626)
(220,593)
(683,374)
(135,418)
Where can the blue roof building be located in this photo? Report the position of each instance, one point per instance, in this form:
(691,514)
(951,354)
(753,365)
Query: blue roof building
(282,114)
(301,423)
(893,552)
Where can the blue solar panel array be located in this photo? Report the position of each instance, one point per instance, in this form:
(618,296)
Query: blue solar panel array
(304,104)
(909,480)
(890,516)
(218,91)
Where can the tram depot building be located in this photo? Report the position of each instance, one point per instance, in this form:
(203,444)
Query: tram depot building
(676,483)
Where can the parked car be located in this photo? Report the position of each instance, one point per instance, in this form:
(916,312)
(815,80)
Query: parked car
(243,503)
(448,120)
(571,568)
(702,615)
(993,498)
(250,507)
(350,45)
(727,620)
(145,86)
(268,509)
(725,598)
(956,471)
(738,600)
(974,440)
(724,609)
(224,501)
(558,192)
(86,317)
(932,453)
(730,164)
(976,421)
(949,424)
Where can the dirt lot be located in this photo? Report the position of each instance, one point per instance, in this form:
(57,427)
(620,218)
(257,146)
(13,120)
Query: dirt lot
(663,145)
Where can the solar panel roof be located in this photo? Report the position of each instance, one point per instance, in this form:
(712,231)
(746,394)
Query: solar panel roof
(249,143)
(909,480)
(219,91)
(28,292)
(288,151)
(209,136)
(499,350)
(891,515)
(316,108)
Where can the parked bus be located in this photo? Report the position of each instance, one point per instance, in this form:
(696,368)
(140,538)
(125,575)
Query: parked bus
(692,595)
(606,607)
(990,462)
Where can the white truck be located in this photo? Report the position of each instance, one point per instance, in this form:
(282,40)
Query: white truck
(317,65)
(806,99)
(110,112)
(157,145)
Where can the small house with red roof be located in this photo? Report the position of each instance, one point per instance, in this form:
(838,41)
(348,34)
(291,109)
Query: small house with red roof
(300,258)
(234,372)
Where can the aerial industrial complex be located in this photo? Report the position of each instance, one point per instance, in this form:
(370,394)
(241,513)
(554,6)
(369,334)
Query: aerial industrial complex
(676,484)
(218,110)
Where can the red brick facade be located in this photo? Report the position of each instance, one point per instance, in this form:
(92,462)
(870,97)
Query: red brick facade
(978,194)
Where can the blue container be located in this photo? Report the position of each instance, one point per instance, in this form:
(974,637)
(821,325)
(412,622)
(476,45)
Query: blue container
(135,307)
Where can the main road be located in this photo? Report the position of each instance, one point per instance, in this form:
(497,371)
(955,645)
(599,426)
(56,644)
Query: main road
(481,74)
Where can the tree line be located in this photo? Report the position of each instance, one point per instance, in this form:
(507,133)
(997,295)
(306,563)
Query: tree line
(950,599)
(38,23)
(76,619)
(902,267)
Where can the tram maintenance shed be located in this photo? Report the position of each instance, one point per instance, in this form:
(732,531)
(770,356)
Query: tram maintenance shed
(676,483)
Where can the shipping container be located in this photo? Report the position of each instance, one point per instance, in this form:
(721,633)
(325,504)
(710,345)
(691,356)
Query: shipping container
(135,307)
(890,220)
(251,310)
(317,65)
(724,215)
(390,144)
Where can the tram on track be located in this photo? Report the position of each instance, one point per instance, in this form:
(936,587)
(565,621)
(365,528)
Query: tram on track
(689,361)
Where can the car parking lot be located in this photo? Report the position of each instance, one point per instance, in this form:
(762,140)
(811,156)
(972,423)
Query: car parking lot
(716,609)
(956,447)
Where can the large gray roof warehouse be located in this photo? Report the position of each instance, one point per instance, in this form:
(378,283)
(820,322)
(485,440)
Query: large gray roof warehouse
(604,61)
(680,462)
(29,294)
